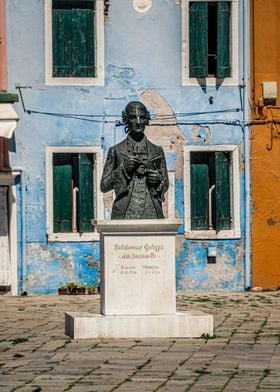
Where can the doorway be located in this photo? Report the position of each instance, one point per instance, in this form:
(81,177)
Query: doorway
(8,234)
(5,259)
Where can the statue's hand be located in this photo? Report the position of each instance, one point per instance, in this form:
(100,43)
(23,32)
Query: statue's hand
(131,164)
(153,177)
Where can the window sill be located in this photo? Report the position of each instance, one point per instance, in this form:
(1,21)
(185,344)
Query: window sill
(209,82)
(74,81)
(212,234)
(73,237)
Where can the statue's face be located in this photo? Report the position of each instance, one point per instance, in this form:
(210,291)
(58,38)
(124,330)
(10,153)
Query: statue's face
(136,119)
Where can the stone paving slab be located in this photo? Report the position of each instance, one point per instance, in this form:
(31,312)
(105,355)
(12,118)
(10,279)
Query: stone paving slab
(243,356)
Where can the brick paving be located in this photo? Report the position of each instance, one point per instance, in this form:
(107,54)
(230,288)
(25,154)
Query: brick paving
(244,355)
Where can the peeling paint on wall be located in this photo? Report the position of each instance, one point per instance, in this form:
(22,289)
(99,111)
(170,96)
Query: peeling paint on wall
(106,9)
(201,133)
(194,273)
(121,77)
(163,128)
(55,263)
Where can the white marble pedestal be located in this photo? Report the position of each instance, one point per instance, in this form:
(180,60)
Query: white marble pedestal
(138,293)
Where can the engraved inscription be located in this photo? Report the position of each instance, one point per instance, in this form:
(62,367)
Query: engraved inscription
(137,259)
(151,269)
(134,252)
(128,270)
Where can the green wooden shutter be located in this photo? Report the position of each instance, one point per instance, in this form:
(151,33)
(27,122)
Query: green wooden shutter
(199,196)
(82,43)
(55,43)
(62,196)
(223,39)
(62,43)
(86,192)
(198,39)
(73,43)
(223,205)
(90,47)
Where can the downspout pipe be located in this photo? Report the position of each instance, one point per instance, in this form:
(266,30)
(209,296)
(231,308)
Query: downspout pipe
(247,150)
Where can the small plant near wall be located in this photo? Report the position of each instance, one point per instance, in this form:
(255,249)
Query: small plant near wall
(81,288)
(92,289)
(62,289)
(72,287)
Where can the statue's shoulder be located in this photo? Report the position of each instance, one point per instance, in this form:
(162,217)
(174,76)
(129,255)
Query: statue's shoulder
(155,147)
(118,147)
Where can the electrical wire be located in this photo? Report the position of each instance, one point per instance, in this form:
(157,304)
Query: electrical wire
(90,117)
(101,118)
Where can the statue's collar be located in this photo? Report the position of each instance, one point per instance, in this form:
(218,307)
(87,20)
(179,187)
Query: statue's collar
(137,147)
(132,141)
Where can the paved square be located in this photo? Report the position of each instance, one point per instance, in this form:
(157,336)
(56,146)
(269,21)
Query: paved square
(244,355)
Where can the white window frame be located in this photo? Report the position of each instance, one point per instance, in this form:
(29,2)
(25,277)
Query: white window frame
(98,80)
(235,193)
(72,237)
(186,80)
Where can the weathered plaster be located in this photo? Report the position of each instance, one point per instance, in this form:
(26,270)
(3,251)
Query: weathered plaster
(121,77)
(49,265)
(201,133)
(106,10)
(164,129)
(142,62)
(194,273)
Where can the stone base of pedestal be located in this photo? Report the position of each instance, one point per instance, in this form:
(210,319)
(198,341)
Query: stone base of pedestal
(191,324)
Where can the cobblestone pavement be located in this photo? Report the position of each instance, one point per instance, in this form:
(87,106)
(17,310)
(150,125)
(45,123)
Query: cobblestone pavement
(244,354)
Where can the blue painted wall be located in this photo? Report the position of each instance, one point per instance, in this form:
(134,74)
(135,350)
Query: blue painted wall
(142,51)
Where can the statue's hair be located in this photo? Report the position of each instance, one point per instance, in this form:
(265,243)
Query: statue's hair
(129,106)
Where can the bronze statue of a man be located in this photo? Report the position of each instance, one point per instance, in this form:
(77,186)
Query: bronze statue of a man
(136,170)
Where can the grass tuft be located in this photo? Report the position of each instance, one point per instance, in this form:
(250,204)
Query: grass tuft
(19,340)
(206,336)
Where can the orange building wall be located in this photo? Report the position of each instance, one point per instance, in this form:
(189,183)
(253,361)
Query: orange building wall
(265,66)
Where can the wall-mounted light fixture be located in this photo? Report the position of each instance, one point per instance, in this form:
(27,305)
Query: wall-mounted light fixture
(269,92)
(142,5)
(211,254)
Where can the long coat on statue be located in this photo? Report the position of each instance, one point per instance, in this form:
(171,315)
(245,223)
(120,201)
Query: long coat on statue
(115,177)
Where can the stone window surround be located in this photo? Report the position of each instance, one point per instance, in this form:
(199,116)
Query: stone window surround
(235,232)
(98,80)
(186,80)
(72,237)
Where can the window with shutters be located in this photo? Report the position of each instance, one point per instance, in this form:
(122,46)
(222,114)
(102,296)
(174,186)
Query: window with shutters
(73,199)
(210,41)
(212,192)
(74,42)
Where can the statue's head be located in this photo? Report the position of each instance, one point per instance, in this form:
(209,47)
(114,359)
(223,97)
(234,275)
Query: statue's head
(136,117)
